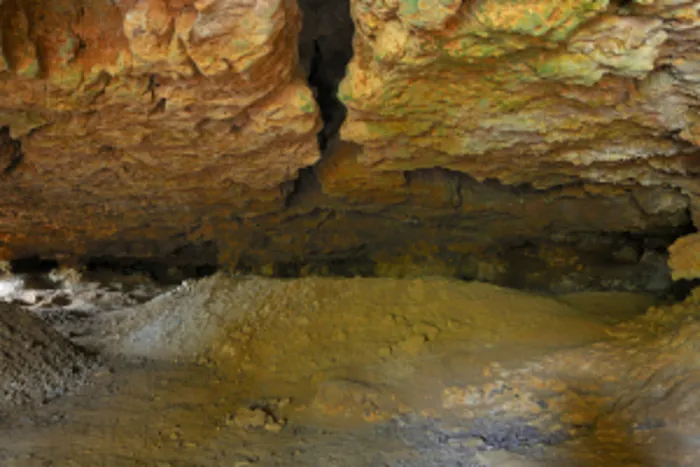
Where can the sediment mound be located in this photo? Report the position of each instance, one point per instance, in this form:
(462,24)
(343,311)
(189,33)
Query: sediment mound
(36,362)
(331,321)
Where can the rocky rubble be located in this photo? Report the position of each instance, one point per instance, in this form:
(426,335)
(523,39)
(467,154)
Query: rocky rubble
(37,363)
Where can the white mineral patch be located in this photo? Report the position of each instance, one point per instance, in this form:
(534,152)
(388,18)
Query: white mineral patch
(11,288)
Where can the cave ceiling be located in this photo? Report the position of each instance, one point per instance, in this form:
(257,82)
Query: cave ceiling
(281,131)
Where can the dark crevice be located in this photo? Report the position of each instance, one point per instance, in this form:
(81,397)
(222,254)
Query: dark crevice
(151,88)
(160,271)
(613,261)
(622,261)
(350,263)
(159,107)
(305,185)
(33,265)
(325,48)
(10,151)
(186,262)
(624,7)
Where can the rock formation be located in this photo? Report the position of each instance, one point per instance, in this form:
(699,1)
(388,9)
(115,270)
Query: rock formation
(140,119)
(185,129)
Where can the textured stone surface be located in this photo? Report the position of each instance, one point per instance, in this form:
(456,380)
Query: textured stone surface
(177,128)
(530,92)
(138,119)
(533,92)
(684,258)
(359,222)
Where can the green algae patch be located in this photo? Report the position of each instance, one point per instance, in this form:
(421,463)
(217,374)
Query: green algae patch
(570,68)
(306,103)
(555,18)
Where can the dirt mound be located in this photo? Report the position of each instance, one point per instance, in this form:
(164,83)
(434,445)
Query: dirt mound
(183,323)
(335,319)
(396,372)
(404,339)
(36,362)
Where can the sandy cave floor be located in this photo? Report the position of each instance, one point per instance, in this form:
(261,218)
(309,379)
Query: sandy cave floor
(243,371)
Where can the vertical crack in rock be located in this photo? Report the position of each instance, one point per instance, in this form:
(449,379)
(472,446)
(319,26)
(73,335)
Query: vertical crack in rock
(10,151)
(325,48)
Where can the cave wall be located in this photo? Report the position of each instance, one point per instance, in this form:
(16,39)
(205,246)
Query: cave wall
(459,131)
(537,92)
(139,119)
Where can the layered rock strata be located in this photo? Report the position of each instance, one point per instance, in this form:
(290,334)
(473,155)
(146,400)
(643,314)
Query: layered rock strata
(138,119)
(161,127)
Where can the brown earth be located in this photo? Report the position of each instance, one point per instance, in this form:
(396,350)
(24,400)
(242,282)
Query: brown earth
(378,372)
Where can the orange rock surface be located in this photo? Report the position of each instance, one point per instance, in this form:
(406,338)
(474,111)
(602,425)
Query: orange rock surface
(685,257)
(139,118)
(143,128)
(527,91)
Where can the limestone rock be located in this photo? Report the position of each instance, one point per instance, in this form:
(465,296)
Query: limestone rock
(139,120)
(685,257)
(184,130)
(532,91)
